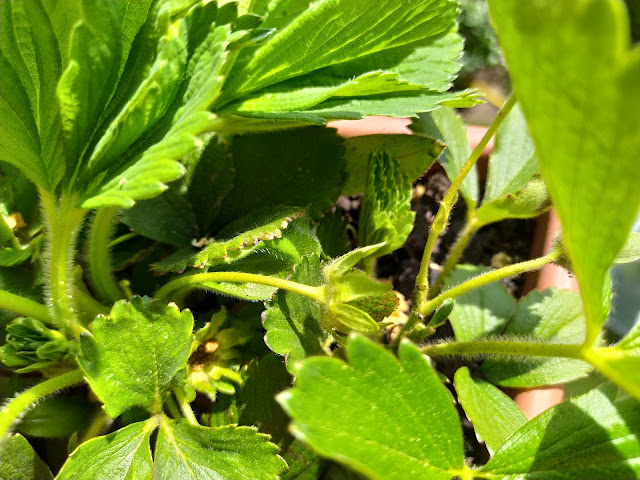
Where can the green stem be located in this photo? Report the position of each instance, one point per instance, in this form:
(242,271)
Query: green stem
(442,217)
(195,281)
(100,268)
(185,407)
(89,305)
(7,232)
(489,277)
(17,407)
(24,307)
(63,221)
(170,402)
(98,425)
(456,252)
(528,349)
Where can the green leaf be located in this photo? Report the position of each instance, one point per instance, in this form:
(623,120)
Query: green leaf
(297,95)
(592,436)
(415,154)
(478,397)
(243,238)
(309,171)
(385,215)
(31,56)
(210,181)
(292,321)
(585,42)
(513,161)
(346,262)
(446,125)
(21,462)
(123,454)
(529,202)
(631,249)
(177,224)
(142,173)
(100,44)
(132,356)
(552,316)
(198,453)
(481,312)
(389,409)
(333,233)
(10,257)
(57,417)
(264,379)
(361,29)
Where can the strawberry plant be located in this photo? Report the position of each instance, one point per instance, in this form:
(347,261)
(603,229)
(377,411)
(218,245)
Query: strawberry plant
(180,299)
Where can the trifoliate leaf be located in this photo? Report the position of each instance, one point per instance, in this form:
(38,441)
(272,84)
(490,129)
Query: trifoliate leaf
(21,462)
(586,42)
(553,316)
(100,44)
(591,436)
(478,397)
(132,355)
(34,43)
(123,454)
(389,409)
(446,125)
(293,322)
(482,311)
(415,154)
(371,29)
(198,453)
(385,215)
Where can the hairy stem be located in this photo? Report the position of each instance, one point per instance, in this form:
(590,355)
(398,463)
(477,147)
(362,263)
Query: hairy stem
(104,282)
(454,255)
(195,281)
(528,349)
(185,407)
(442,217)
(24,307)
(489,277)
(63,220)
(17,407)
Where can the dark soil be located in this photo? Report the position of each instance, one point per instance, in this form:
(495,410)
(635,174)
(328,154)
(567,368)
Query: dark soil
(512,237)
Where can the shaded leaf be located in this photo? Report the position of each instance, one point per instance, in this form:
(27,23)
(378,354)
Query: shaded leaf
(592,436)
(177,224)
(415,154)
(301,168)
(57,417)
(553,316)
(389,409)
(132,356)
(631,249)
(482,311)
(478,398)
(446,125)
(513,161)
